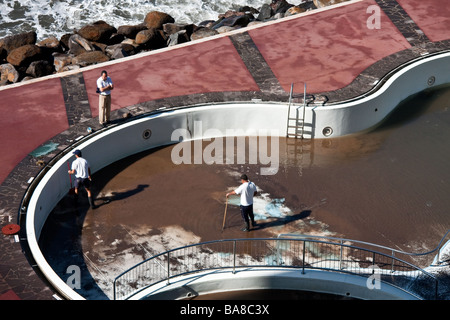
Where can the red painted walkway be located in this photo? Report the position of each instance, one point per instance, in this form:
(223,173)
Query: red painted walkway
(432,16)
(30,115)
(211,66)
(327,50)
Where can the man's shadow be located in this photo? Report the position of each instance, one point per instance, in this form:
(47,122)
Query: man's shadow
(276,222)
(116,196)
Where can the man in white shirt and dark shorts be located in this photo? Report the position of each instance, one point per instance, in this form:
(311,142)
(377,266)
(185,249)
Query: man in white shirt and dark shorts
(104,87)
(82,171)
(247,190)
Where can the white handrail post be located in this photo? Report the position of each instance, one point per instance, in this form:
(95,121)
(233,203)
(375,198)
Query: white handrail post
(304,110)
(234,256)
(168,267)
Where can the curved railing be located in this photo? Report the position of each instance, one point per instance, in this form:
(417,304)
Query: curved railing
(301,253)
(377,247)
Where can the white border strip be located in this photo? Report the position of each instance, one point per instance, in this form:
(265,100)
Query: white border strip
(179,46)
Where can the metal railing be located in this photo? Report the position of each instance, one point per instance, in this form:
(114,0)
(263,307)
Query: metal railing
(377,247)
(301,253)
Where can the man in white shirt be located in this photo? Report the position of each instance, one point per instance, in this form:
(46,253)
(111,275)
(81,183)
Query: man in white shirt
(82,172)
(247,190)
(104,86)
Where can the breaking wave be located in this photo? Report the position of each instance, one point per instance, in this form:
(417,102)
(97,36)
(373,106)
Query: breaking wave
(58,17)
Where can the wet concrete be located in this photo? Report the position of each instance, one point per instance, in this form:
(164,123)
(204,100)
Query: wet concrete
(388,187)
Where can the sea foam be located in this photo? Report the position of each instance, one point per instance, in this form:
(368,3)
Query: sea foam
(57,17)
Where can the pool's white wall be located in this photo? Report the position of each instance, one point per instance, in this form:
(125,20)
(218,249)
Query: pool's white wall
(214,282)
(127,139)
(115,143)
(366,112)
(118,142)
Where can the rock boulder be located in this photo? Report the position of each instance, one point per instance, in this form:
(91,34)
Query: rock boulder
(234,21)
(3,54)
(171,28)
(51,43)
(203,33)
(326,3)
(116,50)
(177,38)
(151,39)
(99,31)
(10,43)
(8,73)
(280,6)
(231,13)
(156,19)
(265,12)
(89,58)
(225,29)
(24,55)
(115,39)
(60,60)
(78,45)
(39,68)
(248,9)
(130,31)
(294,10)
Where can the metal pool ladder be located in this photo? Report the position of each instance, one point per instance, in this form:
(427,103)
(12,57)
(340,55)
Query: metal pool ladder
(296,130)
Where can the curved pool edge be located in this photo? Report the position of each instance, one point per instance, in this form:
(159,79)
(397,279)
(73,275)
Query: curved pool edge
(263,278)
(367,111)
(346,118)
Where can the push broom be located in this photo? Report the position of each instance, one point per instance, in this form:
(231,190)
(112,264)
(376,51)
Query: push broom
(225,214)
(72,189)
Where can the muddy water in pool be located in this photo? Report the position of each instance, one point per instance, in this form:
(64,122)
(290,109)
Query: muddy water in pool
(389,186)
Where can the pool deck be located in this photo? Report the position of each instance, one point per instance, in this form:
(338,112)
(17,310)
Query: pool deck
(335,51)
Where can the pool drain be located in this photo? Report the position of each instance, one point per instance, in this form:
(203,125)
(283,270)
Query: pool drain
(327,131)
(147,134)
(10,229)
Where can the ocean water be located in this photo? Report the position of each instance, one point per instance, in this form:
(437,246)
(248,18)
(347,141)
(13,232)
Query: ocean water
(57,17)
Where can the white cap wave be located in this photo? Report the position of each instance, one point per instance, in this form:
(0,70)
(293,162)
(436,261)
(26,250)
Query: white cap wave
(57,17)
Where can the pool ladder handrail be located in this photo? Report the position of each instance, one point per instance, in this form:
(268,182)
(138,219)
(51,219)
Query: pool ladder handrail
(299,124)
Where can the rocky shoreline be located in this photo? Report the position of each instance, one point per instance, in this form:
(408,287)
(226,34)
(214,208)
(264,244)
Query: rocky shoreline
(23,58)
